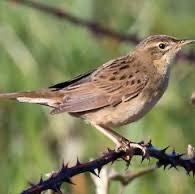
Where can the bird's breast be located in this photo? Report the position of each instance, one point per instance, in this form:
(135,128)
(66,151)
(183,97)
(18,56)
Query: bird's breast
(132,110)
(149,97)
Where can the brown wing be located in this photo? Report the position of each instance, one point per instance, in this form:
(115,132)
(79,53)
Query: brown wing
(116,81)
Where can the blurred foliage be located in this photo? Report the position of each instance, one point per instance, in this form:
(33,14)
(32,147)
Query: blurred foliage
(38,50)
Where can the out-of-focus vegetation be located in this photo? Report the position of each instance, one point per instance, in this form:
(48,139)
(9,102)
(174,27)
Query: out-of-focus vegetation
(38,50)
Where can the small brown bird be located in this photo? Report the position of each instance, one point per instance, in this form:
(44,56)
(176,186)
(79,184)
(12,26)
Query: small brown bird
(119,92)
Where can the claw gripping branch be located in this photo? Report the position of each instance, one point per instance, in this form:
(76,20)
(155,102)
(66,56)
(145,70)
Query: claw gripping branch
(164,159)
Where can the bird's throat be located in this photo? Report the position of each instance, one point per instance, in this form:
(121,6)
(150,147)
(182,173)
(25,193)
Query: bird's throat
(162,66)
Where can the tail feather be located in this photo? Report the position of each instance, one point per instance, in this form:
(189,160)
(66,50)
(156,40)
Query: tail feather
(31,97)
(13,95)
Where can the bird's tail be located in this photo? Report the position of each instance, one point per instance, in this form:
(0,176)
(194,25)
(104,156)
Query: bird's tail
(37,97)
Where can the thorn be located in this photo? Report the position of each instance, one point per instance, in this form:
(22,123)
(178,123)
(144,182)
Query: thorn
(174,152)
(68,180)
(63,167)
(56,189)
(143,158)
(66,166)
(178,156)
(165,166)
(150,142)
(78,162)
(41,180)
(173,166)
(187,168)
(99,169)
(63,162)
(172,161)
(109,150)
(158,164)
(93,172)
(164,150)
(112,162)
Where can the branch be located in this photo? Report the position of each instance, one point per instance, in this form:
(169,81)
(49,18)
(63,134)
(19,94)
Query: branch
(173,160)
(129,177)
(94,27)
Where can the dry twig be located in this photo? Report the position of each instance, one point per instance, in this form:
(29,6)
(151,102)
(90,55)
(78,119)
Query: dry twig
(130,176)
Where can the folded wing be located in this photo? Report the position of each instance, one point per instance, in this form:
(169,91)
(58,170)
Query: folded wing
(114,82)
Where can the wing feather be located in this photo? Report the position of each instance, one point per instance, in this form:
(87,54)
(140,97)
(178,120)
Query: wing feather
(114,82)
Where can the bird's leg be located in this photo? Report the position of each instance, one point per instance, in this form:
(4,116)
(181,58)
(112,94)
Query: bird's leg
(121,142)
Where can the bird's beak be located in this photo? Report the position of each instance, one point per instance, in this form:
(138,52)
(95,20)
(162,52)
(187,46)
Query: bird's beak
(182,43)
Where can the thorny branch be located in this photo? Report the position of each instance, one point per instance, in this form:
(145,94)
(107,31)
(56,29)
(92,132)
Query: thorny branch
(173,160)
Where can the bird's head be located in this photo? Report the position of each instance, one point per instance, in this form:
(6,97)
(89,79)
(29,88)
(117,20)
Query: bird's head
(160,49)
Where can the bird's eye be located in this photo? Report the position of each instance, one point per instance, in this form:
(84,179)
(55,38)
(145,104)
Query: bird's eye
(162,45)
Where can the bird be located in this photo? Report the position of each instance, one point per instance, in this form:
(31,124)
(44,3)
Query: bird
(118,92)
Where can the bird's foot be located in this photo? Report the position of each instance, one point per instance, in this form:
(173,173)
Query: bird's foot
(130,147)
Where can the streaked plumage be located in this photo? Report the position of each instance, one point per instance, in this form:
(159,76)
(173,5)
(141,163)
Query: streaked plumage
(118,92)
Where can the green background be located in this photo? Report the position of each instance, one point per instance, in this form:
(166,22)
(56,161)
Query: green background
(38,50)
